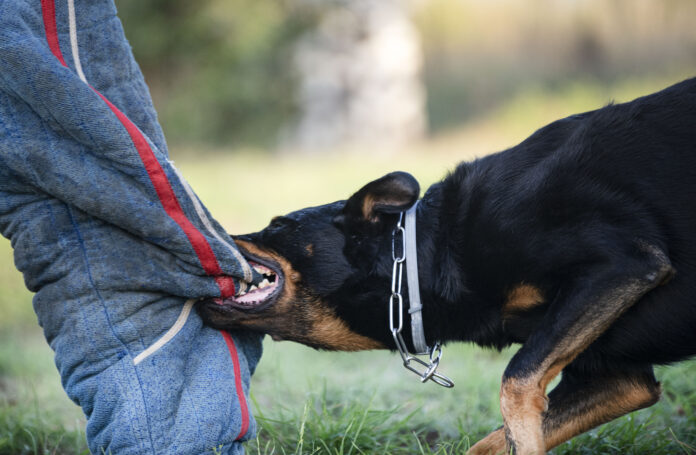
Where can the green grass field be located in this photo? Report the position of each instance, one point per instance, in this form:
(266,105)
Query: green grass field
(310,402)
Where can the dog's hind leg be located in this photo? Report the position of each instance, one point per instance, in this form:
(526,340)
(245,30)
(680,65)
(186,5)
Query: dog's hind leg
(581,312)
(581,402)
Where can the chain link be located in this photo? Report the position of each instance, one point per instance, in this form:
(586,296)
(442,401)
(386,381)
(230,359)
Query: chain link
(396,302)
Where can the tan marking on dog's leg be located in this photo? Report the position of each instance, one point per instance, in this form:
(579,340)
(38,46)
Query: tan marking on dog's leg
(581,410)
(493,444)
(522,404)
(597,406)
(522,298)
(523,400)
(590,310)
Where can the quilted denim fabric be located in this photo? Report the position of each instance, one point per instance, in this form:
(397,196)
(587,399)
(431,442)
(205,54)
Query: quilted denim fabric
(97,242)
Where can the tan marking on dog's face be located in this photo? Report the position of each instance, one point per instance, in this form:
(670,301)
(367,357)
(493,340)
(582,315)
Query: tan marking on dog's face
(292,277)
(329,330)
(522,298)
(299,316)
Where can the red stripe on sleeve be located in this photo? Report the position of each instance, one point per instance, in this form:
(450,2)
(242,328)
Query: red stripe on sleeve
(154,170)
(168,199)
(170,204)
(48,9)
(238,384)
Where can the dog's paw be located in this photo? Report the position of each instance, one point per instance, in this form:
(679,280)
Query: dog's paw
(493,444)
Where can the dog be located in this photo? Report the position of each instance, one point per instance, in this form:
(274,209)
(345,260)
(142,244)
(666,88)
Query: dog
(579,244)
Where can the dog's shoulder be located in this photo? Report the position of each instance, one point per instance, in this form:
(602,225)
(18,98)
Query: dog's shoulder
(587,179)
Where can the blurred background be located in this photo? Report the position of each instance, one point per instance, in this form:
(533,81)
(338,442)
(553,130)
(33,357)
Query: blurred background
(302,102)
(279,74)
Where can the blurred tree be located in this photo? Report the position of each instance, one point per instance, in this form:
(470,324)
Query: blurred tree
(219,70)
(360,79)
(480,54)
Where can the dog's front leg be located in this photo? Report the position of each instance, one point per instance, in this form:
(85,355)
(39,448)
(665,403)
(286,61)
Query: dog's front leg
(582,311)
(582,401)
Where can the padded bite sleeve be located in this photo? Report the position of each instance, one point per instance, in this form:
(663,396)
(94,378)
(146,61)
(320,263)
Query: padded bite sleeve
(113,241)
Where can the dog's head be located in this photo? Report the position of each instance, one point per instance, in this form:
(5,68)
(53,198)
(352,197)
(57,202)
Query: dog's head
(328,271)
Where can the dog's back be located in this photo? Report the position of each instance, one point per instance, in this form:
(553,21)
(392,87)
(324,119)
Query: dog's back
(651,155)
(632,166)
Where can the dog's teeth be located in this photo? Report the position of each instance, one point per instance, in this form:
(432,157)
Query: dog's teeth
(265,283)
(262,269)
(253,288)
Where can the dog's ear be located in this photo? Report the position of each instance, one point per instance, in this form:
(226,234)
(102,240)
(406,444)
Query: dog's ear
(388,195)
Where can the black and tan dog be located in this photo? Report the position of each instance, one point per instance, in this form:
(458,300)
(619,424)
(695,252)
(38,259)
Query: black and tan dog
(567,243)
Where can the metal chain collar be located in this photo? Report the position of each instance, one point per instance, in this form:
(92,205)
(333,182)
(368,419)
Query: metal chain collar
(396,300)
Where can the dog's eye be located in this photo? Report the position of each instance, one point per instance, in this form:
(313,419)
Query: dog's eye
(280,222)
(276,221)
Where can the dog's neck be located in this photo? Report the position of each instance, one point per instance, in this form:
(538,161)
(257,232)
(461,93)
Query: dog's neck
(453,308)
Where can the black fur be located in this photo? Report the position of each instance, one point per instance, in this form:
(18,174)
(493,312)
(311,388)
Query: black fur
(568,211)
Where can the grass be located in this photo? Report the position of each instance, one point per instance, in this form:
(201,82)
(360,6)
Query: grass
(366,403)
(26,429)
(309,402)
